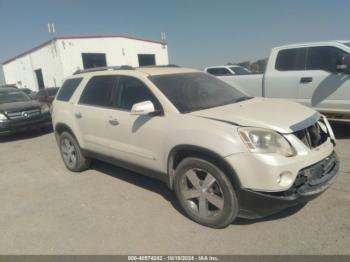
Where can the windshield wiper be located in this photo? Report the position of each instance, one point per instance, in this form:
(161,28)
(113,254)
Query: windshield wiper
(244,98)
(234,100)
(208,107)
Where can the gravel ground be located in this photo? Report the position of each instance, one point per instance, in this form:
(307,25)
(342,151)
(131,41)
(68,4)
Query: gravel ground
(45,209)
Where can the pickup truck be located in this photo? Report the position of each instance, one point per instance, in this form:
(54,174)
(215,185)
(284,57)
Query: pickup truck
(314,74)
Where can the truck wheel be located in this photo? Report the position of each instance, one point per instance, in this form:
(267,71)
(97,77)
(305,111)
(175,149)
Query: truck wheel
(205,193)
(71,153)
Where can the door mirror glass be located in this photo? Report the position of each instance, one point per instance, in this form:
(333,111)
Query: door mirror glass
(143,108)
(343,66)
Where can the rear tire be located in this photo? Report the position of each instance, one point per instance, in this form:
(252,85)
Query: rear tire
(205,193)
(71,153)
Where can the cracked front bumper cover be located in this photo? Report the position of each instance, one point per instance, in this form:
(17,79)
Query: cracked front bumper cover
(309,184)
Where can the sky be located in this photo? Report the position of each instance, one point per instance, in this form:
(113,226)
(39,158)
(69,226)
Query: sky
(199,32)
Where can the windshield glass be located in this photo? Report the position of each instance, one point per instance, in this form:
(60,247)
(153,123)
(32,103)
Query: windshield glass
(240,70)
(196,91)
(13,96)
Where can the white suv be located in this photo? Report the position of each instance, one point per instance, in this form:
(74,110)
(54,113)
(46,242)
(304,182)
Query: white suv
(225,154)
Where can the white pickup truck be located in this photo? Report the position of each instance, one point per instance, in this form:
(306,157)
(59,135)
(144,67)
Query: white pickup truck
(313,74)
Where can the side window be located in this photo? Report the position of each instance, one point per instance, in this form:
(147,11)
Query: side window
(324,58)
(219,71)
(68,88)
(99,91)
(291,59)
(131,91)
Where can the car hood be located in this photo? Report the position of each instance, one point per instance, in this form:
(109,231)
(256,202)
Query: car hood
(19,106)
(280,115)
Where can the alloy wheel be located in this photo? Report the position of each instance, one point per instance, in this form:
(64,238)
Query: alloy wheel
(202,193)
(69,153)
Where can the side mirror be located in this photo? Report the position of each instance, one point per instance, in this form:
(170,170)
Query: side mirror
(143,108)
(344,64)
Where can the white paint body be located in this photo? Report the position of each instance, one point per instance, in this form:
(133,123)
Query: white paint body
(60,58)
(328,92)
(147,141)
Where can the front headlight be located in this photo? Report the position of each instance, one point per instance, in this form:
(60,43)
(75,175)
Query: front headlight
(2,117)
(45,109)
(259,140)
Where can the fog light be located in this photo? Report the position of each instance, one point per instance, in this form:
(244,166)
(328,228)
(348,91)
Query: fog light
(285,179)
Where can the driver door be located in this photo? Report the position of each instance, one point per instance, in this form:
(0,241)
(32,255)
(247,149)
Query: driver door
(136,139)
(320,86)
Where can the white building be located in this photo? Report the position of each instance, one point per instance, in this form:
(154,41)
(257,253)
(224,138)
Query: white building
(48,64)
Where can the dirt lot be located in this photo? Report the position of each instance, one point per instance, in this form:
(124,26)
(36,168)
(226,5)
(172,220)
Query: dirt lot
(45,209)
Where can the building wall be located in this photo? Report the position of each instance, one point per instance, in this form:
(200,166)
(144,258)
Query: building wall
(62,57)
(21,71)
(119,51)
(2,77)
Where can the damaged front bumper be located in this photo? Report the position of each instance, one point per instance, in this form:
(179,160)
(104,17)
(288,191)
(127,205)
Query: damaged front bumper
(309,184)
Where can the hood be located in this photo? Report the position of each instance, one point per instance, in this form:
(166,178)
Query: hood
(19,106)
(280,115)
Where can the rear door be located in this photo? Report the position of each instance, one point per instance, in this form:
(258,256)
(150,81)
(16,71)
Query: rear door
(320,86)
(93,113)
(282,77)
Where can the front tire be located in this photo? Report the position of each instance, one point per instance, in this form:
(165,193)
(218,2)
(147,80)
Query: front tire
(205,193)
(72,154)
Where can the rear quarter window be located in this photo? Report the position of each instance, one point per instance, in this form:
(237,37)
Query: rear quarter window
(291,59)
(99,91)
(68,88)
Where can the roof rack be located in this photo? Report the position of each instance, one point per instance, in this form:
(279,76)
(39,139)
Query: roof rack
(170,65)
(105,68)
(123,67)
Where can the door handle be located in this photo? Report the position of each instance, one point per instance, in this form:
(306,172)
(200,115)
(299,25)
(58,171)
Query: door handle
(78,115)
(305,80)
(113,122)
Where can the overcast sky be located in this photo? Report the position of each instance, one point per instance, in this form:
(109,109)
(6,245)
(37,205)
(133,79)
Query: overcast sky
(199,33)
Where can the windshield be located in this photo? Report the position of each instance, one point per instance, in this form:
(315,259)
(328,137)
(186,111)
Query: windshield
(13,96)
(240,70)
(196,91)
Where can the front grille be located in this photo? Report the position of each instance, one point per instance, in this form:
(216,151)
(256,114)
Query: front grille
(313,136)
(24,114)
